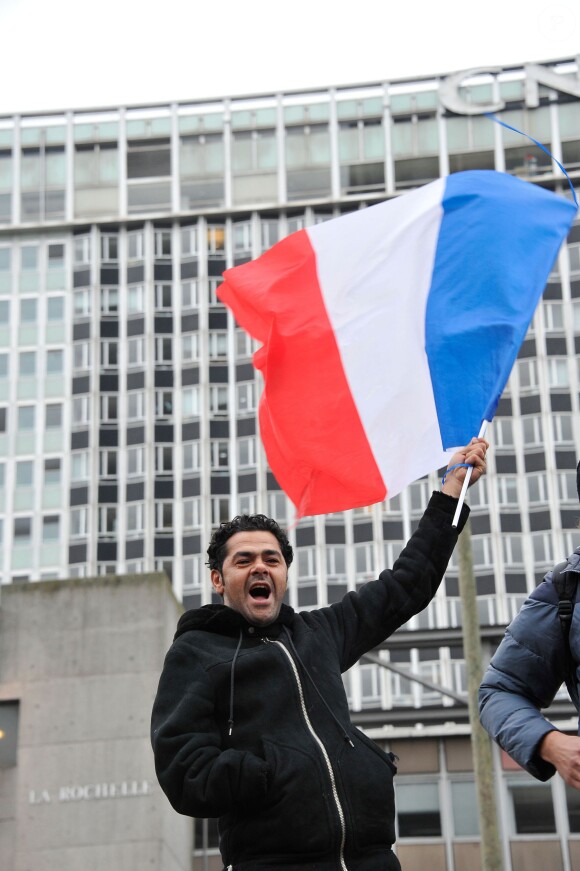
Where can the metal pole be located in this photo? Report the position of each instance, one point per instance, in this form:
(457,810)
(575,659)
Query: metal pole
(491,855)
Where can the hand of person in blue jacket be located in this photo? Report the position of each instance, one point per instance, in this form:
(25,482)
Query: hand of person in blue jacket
(563,751)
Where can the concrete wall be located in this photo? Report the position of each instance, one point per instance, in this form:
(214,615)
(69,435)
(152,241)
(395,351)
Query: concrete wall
(83,659)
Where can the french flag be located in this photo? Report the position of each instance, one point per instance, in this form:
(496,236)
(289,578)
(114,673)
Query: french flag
(387,335)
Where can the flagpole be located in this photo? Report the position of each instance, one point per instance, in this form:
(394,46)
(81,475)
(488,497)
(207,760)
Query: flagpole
(467,480)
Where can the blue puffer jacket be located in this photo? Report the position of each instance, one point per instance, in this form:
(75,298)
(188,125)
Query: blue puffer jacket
(526,672)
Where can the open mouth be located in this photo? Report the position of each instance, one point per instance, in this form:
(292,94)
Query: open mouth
(260,591)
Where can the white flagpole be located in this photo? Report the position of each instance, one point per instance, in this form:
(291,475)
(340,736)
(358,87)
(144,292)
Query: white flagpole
(467,479)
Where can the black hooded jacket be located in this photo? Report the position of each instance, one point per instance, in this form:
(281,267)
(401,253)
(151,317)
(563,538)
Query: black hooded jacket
(251,724)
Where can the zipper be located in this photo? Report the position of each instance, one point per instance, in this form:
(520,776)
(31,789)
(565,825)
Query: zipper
(321,746)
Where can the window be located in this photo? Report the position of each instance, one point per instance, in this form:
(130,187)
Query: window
(81,356)
(27,364)
(163,350)
(246,397)
(513,551)
(53,415)
(192,579)
(164,516)
(80,410)
(50,527)
(136,245)
(567,491)
(220,455)
(542,548)
(22,530)
(82,251)
(537,485)
(244,344)
(363,560)
(55,308)
(24,473)
(479,496)
(78,522)
(82,302)
(109,300)
(528,373)
(507,490)
(163,241)
(503,432)
(29,257)
(418,812)
(220,510)
(135,299)
(109,408)
(189,294)
(109,248)
(109,353)
(191,457)
(218,399)
(370,685)
(135,405)
(532,431)
(336,563)
(190,402)
(136,352)
(163,459)
(562,429)
(192,513)
(247,452)
(418,497)
(558,375)
(464,807)
(164,403)
(135,517)
(107,520)
(247,503)
(28,309)
(108,463)
(3,419)
(533,808)
(218,345)
(306,565)
(4,358)
(52,471)
(163,296)
(216,237)
(55,362)
(189,347)
(189,241)
(482,552)
(26,418)
(212,286)
(135,462)
(553,317)
(80,466)
(4,312)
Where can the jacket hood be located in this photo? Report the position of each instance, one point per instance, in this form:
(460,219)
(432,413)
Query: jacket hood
(225,621)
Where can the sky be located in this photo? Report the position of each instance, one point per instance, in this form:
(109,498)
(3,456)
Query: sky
(66,54)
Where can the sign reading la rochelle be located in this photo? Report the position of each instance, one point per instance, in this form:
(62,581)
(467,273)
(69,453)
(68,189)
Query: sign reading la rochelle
(92,791)
(535,75)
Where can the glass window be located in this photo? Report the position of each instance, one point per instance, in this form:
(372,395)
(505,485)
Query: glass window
(107,519)
(28,311)
(135,462)
(55,308)
(82,302)
(562,428)
(80,466)
(54,362)
(135,298)
(78,522)
(135,405)
(163,403)
(135,515)
(22,530)
(53,418)
(537,485)
(163,296)
(4,357)
(558,375)
(4,311)
(24,473)
(191,456)
(573,803)
(533,808)
(164,459)
(164,516)
(190,401)
(27,363)
(108,463)
(29,257)
(464,807)
(109,300)
(418,811)
(26,416)
(189,294)
(50,527)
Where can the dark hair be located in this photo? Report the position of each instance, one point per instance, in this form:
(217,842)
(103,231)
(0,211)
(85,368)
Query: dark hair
(217,550)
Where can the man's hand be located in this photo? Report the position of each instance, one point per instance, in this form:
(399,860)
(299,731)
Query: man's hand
(563,751)
(474,455)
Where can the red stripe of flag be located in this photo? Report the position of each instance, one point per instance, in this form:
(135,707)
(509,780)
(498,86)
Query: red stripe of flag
(309,423)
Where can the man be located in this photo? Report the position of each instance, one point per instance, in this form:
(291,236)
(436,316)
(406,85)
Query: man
(251,722)
(524,675)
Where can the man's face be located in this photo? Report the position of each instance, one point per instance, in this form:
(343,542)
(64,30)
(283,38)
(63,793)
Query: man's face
(254,576)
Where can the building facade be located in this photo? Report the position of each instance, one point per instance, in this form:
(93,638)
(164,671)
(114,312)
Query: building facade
(128,398)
